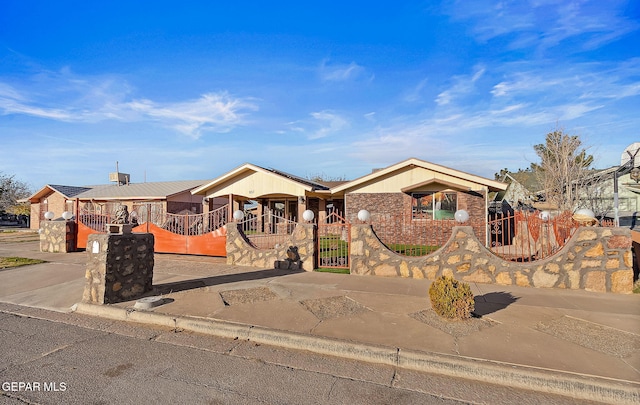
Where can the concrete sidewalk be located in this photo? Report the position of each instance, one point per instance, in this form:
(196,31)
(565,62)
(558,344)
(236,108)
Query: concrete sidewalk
(576,343)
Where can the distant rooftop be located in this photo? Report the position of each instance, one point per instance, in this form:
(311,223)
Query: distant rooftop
(154,190)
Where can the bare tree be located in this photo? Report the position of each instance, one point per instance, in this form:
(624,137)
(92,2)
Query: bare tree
(563,170)
(11,191)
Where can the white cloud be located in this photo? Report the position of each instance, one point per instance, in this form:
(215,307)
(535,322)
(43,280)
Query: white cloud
(415,94)
(341,72)
(65,97)
(211,112)
(546,23)
(330,123)
(462,86)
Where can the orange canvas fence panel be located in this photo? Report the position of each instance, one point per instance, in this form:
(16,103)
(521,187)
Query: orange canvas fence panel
(181,234)
(83,233)
(210,244)
(165,241)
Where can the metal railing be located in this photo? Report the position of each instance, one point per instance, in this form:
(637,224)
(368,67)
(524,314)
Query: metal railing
(195,224)
(97,222)
(267,231)
(526,236)
(416,237)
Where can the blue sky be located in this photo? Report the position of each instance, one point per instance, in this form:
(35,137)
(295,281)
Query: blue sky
(191,90)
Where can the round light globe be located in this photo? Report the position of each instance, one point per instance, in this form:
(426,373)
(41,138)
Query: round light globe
(364,215)
(461,216)
(238,215)
(308,215)
(49,215)
(586,212)
(545,215)
(67,215)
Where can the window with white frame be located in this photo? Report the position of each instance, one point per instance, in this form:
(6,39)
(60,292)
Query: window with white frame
(434,205)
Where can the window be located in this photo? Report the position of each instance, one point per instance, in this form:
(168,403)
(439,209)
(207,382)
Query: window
(434,205)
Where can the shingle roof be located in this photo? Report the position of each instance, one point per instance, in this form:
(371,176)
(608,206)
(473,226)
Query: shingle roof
(315,185)
(66,191)
(155,190)
(69,191)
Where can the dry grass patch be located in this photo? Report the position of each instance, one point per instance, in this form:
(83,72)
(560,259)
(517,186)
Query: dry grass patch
(8,262)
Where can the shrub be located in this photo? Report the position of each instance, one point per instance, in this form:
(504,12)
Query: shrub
(451,299)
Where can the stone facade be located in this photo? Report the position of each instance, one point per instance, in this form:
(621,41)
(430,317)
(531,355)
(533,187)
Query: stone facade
(119,267)
(58,236)
(594,259)
(241,253)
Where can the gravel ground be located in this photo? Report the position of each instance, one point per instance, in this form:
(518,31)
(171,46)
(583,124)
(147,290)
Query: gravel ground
(454,328)
(592,335)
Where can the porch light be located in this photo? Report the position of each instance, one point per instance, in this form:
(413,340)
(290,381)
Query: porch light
(49,215)
(238,215)
(67,215)
(307,215)
(461,216)
(364,215)
(544,215)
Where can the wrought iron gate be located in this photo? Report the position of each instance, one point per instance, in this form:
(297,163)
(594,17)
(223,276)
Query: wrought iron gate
(334,235)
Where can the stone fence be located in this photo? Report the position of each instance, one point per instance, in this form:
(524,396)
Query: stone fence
(57,236)
(594,259)
(240,251)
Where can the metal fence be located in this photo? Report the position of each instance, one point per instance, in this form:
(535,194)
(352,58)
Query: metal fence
(195,224)
(416,237)
(181,224)
(334,236)
(525,236)
(520,236)
(267,231)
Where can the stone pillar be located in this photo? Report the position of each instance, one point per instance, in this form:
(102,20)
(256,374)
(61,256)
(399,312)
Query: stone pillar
(58,236)
(119,267)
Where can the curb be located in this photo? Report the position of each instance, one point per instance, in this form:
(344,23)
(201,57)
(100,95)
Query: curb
(579,386)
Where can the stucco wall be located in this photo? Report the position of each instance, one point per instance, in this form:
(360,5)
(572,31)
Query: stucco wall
(594,259)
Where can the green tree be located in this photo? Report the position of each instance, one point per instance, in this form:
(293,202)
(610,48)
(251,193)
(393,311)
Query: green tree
(563,170)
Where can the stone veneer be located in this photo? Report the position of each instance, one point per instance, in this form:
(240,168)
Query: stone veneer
(594,259)
(240,251)
(58,236)
(119,267)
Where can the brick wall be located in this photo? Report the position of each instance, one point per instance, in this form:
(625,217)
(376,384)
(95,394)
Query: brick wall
(396,208)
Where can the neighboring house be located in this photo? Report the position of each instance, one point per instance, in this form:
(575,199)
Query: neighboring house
(149,200)
(600,195)
(519,191)
(54,198)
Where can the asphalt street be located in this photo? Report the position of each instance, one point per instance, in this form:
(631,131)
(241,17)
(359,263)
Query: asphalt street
(55,358)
